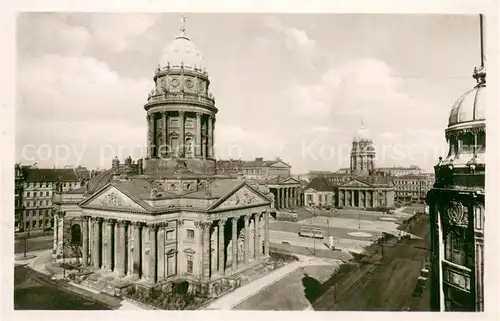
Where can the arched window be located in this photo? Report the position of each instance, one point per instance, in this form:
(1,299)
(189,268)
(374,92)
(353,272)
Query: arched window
(189,147)
(76,234)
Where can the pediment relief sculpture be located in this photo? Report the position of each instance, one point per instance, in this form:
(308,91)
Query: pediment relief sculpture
(112,199)
(241,197)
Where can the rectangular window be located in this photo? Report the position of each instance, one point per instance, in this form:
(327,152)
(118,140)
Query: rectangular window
(478,217)
(171,265)
(190,234)
(27,194)
(455,249)
(170,235)
(189,263)
(33,224)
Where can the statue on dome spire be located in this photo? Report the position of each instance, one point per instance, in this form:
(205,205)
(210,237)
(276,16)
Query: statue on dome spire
(183,26)
(362,123)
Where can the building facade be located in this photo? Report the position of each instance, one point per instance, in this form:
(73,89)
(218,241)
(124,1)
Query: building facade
(413,188)
(319,194)
(171,217)
(34,189)
(457,207)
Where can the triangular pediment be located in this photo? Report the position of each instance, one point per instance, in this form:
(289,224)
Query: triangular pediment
(355,183)
(291,180)
(243,196)
(111,197)
(279,164)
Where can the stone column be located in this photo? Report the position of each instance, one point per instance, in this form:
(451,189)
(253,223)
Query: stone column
(182,140)
(352,198)
(222,224)
(234,237)
(60,233)
(247,239)
(109,245)
(210,137)
(164,132)
(282,198)
(148,136)
(152,253)
(160,255)
(266,234)
(56,229)
(137,249)
(257,245)
(85,246)
(206,251)
(120,255)
(97,242)
(198,135)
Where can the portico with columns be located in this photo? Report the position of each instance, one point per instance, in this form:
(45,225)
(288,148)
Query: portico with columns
(359,194)
(138,240)
(287,192)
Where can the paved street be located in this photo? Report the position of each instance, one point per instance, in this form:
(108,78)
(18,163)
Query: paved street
(33,244)
(35,291)
(391,284)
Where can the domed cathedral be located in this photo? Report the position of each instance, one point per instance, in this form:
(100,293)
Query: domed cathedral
(168,218)
(362,153)
(180,112)
(457,204)
(363,187)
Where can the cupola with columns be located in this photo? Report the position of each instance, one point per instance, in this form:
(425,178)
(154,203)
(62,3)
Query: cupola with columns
(180,111)
(362,153)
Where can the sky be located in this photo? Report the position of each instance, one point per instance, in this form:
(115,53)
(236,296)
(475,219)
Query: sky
(294,86)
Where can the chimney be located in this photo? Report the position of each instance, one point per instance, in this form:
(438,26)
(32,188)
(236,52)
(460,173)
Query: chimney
(259,159)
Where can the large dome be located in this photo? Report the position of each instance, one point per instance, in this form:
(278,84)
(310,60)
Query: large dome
(182,51)
(471,106)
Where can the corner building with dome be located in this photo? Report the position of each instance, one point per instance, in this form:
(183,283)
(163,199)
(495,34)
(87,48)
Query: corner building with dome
(168,218)
(457,207)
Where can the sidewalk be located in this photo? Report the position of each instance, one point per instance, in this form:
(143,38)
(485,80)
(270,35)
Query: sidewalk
(230,300)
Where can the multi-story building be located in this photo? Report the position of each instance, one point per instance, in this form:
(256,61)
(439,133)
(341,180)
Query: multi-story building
(18,198)
(412,188)
(457,207)
(255,169)
(398,171)
(35,190)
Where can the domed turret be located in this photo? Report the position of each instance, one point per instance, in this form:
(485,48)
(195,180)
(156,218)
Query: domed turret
(362,134)
(467,124)
(471,106)
(362,152)
(181,52)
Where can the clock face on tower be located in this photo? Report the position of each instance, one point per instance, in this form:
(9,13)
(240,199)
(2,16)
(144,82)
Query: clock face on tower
(189,83)
(175,82)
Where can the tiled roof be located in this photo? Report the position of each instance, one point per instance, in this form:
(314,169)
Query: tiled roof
(99,181)
(32,174)
(376,180)
(320,184)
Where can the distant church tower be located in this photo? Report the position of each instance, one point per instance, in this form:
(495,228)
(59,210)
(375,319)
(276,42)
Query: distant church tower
(362,153)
